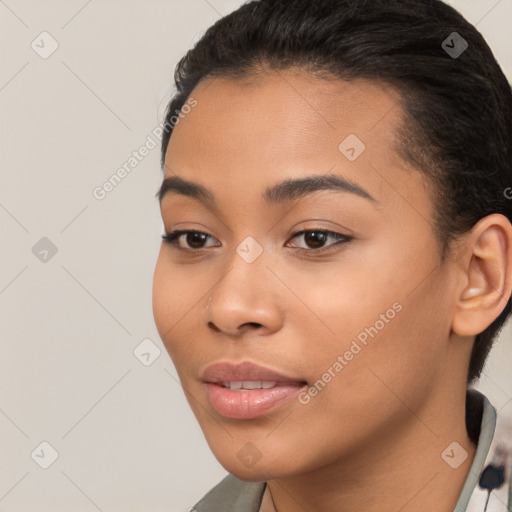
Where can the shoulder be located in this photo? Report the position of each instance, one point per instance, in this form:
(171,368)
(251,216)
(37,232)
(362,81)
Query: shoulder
(232,495)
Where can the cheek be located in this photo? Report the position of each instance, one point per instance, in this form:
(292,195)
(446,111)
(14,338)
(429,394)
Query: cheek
(161,297)
(170,301)
(387,361)
(178,297)
(378,319)
(373,386)
(340,301)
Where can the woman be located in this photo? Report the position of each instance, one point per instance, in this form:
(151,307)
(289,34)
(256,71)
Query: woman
(338,255)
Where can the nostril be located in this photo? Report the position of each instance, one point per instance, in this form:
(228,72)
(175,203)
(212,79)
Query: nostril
(213,326)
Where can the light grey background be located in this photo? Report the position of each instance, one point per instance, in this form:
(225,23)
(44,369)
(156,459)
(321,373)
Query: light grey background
(125,437)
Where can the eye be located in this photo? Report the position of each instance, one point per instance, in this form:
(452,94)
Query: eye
(194,239)
(317,239)
(314,237)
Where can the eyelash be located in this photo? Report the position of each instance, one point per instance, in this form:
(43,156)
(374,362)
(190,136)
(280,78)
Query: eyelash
(173,237)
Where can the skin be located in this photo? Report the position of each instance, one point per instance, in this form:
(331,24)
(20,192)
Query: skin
(372,438)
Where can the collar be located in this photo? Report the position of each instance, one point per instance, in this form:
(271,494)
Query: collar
(488,487)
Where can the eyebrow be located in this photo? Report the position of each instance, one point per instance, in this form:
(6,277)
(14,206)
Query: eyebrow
(284,191)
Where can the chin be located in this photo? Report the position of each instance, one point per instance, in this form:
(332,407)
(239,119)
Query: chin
(250,475)
(261,471)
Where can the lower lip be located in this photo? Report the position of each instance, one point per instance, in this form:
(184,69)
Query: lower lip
(248,404)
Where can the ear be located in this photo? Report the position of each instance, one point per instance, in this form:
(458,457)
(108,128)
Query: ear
(486,275)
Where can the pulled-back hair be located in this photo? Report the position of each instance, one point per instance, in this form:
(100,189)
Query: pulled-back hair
(458,108)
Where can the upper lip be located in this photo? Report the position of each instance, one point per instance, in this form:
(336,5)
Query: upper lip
(245,371)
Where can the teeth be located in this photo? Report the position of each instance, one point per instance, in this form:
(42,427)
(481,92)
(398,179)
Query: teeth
(249,384)
(252,384)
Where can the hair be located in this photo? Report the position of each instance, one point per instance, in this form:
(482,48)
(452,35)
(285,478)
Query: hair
(457,126)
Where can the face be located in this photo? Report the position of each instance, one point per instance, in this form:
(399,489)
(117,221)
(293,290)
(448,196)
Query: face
(334,286)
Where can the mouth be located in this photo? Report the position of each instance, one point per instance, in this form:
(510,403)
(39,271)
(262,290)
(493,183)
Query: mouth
(248,391)
(254,384)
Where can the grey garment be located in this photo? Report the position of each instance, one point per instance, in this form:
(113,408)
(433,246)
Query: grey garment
(488,426)
(234,495)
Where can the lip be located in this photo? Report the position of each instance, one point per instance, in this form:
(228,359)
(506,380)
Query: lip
(248,404)
(227,372)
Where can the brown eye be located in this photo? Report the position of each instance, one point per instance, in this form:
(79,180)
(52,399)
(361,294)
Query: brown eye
(316,239)
(194,240)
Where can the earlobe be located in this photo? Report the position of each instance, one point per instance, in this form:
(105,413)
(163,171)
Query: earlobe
(487,276)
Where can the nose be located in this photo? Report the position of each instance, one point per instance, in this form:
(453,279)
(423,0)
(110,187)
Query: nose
(246,298)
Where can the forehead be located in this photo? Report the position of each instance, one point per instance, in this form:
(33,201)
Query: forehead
(246,134)
(292,109)
(286,114)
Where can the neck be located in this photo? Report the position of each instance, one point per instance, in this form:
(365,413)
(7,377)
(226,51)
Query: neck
(401,470)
